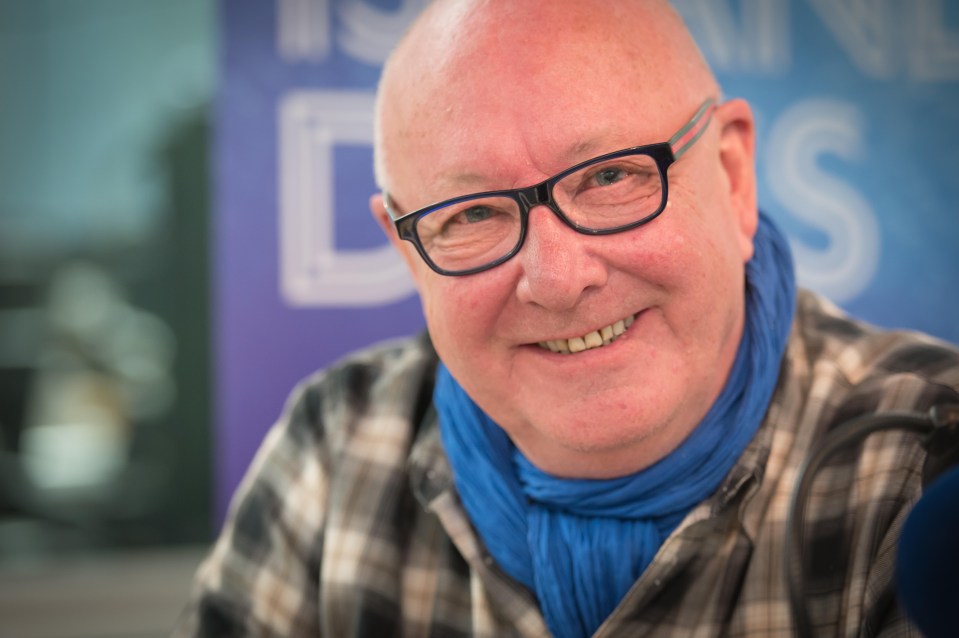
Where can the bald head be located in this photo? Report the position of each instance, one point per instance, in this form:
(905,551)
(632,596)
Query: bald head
(463,62)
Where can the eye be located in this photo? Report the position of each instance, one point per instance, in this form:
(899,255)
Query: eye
(477,214)
(609,175)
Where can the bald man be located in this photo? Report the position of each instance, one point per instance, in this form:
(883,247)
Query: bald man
(600,432)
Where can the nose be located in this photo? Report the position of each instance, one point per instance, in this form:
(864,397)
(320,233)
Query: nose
(559,265)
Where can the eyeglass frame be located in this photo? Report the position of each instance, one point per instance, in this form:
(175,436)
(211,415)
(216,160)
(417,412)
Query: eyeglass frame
(664,154)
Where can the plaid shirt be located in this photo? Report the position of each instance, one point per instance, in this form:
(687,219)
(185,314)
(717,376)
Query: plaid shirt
(348,523)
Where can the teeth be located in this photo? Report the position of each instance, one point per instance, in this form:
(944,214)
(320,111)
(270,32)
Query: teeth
(619,327)
(596,339)
(593,340)
(576,344)
(607,334)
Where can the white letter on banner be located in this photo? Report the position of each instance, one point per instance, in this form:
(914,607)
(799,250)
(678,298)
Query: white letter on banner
(935,51)
(805,132)
(303,30)
(760,43)
(864,29)
(312,271)
(370,33)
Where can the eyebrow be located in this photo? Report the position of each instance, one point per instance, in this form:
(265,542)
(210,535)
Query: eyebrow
(579,151)
(465,178)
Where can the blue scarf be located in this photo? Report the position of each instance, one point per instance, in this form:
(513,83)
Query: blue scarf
(580,544)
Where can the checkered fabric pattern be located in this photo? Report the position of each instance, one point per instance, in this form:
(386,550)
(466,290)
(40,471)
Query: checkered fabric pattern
(348,523)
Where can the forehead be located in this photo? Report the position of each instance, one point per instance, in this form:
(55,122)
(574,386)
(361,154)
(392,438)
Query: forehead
(496,138)
(490,105)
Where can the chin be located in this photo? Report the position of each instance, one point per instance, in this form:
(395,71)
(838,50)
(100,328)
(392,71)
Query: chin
(596,445)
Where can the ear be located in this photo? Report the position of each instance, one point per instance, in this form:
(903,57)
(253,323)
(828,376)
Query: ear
(404,248)
(737,139)
(378,209)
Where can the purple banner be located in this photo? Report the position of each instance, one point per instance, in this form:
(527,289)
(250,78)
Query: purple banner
(858,116)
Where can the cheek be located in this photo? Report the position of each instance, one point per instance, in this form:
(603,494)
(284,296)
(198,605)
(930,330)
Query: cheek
(691,254)
(711,225)
(461,312)
(437,311)
(664,252)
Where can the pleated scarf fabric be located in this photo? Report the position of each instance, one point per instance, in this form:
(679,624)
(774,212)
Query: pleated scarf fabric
(580,544)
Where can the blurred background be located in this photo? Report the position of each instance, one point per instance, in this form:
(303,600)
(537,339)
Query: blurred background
(105,384)
(184,236)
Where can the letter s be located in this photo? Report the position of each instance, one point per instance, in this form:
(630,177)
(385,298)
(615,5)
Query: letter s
(805,132)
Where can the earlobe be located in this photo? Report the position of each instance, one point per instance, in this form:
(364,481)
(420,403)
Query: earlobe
(738,157)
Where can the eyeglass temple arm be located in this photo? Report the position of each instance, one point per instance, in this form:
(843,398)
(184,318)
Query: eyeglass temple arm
(388,205)
(694,129)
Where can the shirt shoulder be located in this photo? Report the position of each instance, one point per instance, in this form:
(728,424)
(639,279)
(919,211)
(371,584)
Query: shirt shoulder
(859,351)
(839,369)
(345,432)
(388,380)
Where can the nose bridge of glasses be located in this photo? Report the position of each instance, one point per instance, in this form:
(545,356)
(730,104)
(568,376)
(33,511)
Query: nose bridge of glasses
(541,195)
(535,195)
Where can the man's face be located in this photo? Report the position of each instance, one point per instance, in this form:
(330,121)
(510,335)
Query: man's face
(678,279)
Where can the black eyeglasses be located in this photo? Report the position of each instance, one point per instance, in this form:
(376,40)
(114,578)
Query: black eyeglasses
(601,196)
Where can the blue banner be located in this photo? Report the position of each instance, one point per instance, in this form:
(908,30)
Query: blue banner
(857,106)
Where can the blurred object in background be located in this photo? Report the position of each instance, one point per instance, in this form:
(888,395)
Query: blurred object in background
(104,368)
(104,304)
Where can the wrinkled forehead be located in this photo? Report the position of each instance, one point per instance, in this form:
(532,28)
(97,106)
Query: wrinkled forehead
(515,90)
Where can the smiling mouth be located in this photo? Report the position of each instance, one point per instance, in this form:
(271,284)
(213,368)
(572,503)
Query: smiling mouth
(595,339)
